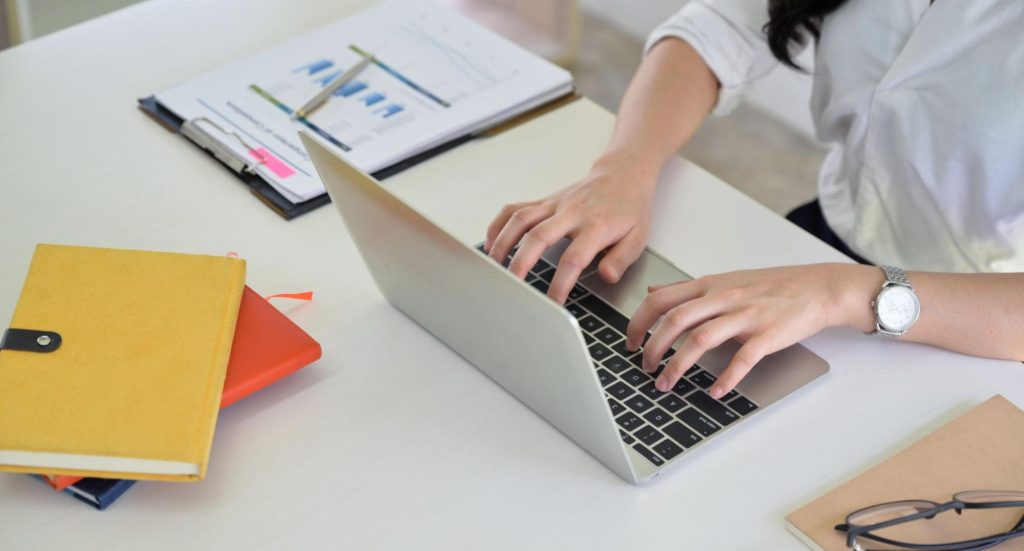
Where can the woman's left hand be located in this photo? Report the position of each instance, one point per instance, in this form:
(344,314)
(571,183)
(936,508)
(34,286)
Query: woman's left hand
(766,310)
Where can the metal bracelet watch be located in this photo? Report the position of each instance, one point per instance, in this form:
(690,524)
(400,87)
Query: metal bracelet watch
(896,306)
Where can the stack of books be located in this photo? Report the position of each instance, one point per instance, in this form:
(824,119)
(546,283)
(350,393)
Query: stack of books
(116,363)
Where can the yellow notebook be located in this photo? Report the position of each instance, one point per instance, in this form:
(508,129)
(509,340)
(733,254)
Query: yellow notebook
(114,363)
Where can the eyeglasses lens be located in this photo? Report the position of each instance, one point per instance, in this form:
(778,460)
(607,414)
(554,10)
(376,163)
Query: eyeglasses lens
(944,527)
(989,496)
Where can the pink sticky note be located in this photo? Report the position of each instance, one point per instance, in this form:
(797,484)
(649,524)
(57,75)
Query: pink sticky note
(277,166)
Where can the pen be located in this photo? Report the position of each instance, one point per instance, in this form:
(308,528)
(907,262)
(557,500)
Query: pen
(319,99)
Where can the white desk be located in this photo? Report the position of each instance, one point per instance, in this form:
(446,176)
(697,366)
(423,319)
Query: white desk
(391,441)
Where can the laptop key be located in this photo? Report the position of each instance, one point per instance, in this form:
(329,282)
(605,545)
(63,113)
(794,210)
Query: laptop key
(599,351)
(576,292)
(608,336)
(703,379)
(651,456)
(627,438)
(683,387)
(629,421)
(547,275)
(672,403)
(605,377)
(638,403)
(743,405)
(591,324)
(684,436)
(729,396)
(542,266)
(657,417)
(620,349)
(711,407)
(648,389)
(635,377)
(540,285)
(616,407)
(667,449)
(648,435)
(616,364)
(697,421)
(620,390)
(575,310)
(602,310)
(693,369)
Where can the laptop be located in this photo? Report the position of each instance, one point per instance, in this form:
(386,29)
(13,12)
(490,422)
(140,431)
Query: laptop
(566,363)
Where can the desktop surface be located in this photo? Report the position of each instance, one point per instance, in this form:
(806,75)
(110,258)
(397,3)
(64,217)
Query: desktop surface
(382,445)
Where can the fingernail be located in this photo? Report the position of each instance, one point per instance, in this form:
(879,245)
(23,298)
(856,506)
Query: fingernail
(661,384)
(630,346)
(487,246)
(717,392)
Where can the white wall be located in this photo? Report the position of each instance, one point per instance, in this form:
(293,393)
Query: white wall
(784,93)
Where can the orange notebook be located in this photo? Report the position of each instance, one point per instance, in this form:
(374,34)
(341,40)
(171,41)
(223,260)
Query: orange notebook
(267,346)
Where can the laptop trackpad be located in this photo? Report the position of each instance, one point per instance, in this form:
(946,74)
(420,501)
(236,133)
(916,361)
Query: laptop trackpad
(630,291)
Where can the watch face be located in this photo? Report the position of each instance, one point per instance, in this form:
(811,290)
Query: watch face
(897,308)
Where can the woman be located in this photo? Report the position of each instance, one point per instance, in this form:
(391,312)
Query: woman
(922,106)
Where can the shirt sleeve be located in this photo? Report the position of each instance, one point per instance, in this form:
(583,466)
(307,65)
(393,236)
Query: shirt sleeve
(728,35)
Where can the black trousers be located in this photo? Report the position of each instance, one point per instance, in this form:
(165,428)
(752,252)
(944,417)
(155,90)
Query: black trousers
(812,220)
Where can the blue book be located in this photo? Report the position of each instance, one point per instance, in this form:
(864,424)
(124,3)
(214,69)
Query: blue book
(98,492)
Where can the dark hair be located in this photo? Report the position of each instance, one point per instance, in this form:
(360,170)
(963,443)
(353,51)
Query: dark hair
(791,21)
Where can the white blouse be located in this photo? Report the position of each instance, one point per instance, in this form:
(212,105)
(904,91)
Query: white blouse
(922,107)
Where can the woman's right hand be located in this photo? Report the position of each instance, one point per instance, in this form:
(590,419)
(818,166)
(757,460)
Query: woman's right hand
(609,210)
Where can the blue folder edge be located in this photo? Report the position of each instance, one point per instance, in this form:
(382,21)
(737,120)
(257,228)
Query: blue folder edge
(98,492)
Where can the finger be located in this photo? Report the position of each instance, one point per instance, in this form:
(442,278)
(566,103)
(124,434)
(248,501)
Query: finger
(752,351)
(677,321)
(700,340)
(577,256)
(536,241)
(621,256)
(519,223)
(499,222)
(655,305)
(653,288)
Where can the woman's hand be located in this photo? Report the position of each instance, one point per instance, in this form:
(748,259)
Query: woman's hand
(767,310)
(609,209)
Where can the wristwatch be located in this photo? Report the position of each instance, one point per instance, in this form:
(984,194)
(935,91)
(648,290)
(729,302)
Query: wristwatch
(896,306)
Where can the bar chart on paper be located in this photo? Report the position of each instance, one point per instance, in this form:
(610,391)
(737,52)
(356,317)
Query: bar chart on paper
(421,66)
(435,77)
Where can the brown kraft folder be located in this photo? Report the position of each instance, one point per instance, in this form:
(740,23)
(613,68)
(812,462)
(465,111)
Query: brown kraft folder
(982,449)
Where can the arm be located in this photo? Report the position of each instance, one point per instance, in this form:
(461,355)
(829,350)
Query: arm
(976,314)
(670,96)
(767,310)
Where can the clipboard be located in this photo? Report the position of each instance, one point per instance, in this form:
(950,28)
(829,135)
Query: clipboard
(243,168)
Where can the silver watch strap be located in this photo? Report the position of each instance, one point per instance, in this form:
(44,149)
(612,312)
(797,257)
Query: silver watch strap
(896,276)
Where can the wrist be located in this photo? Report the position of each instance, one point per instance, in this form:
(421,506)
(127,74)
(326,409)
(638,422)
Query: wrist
(853,289)
(640,167)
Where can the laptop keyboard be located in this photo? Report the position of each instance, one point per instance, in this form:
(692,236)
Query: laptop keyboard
(660,426)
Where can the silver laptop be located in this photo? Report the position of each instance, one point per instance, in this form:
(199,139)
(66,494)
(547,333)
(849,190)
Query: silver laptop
(568,364)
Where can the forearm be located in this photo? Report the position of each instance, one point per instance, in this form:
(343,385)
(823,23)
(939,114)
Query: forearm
(977,314)
(668,99)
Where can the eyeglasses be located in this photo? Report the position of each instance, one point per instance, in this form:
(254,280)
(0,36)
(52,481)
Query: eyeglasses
(865,523)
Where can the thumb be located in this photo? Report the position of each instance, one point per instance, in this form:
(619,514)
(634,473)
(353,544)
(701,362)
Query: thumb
(621,256)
